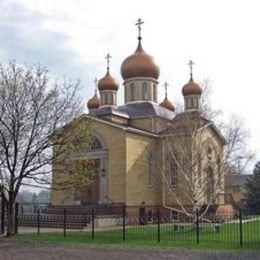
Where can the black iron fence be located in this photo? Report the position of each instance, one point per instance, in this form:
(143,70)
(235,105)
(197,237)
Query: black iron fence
(148,224)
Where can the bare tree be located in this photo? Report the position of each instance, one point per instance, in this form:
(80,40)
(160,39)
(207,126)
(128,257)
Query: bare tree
(237,155)
(199,161)
(206,108)
(33,113)
(192,179)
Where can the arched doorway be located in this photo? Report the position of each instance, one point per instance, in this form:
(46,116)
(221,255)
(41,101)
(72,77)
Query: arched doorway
(94,155)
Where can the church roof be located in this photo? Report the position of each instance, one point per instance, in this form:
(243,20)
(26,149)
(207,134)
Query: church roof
(146,109)
(189,121)
(135,110)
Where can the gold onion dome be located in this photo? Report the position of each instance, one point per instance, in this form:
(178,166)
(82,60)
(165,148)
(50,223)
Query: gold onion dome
(108,82)
(94,102)
(191,88)
(139,64)
(167,104)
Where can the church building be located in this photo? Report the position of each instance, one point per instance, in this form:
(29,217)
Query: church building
(144,151)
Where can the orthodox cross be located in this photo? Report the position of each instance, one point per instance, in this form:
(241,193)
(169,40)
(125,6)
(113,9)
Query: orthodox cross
(108,57)
(138,23)
(191,63)
(96,84)
(165,87)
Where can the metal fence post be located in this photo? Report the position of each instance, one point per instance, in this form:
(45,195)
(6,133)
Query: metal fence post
(240,227)
(197,226)
(158,226)
(93,224)
(38,222)
(124,223)
(64,223)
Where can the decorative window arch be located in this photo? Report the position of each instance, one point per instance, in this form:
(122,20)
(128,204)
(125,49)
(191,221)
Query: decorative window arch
(209,152)
(95,144)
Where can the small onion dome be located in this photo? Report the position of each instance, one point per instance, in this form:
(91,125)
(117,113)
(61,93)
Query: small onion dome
(94,102)
(139,64)
(167,104)
(191,88)
(108,83)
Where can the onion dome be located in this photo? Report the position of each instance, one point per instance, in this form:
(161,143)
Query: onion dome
(167,104)
(191,88)
(94,102)
(108,83)
(139,64)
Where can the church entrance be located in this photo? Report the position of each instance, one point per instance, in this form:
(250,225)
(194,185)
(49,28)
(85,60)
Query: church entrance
(96,191)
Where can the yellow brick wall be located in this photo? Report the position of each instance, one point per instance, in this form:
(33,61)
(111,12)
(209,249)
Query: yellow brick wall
(138,189)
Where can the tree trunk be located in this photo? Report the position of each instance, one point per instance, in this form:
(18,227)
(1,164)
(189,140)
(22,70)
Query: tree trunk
(10,217)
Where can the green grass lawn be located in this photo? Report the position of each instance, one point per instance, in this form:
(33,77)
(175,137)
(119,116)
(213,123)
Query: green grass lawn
(228,238)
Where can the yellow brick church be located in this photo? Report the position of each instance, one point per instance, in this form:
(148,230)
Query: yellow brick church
(142,150)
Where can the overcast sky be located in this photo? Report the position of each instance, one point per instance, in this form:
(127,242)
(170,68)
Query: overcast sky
(72,37)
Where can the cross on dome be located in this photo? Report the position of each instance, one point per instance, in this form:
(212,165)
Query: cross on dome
(165,87)
(138,24)
(108,57)
(96,84)
(190,64)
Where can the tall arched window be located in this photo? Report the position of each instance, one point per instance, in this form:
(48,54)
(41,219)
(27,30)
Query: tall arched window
(210,184)
(150,169)
(132,92)
(154,93)
(144,91)
(173,172)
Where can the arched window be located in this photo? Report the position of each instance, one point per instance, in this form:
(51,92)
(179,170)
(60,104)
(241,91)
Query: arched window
(95,144)
(90,144)
(188,103)
(144,91)
(109,99)
(154,93)
(132,92)
(173,172)
(209,153)
(150,169)
(210,184)
(105,98)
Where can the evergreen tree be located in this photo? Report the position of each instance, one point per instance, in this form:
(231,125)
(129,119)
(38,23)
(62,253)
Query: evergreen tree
(253,190)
